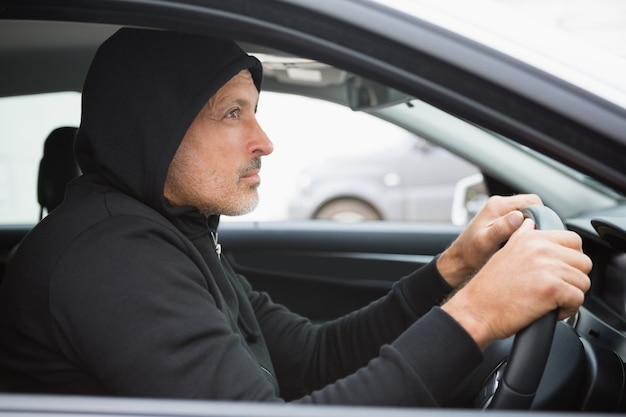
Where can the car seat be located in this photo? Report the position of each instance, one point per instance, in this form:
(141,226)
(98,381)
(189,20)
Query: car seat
(57,168)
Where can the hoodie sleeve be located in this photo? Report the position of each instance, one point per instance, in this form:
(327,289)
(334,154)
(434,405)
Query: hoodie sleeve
(420,368)
(139,318)
(399,344)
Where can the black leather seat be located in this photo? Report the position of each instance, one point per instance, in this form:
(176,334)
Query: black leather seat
(57,168)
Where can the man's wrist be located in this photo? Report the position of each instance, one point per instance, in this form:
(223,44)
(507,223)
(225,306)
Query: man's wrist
(476,327)
(452,269)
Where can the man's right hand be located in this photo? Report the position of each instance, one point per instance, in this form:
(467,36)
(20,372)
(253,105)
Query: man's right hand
(537,271)
(493,225)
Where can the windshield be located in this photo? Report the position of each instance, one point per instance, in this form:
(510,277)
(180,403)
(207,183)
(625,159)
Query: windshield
(578,176)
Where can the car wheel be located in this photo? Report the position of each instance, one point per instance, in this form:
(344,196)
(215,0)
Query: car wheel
(347,210)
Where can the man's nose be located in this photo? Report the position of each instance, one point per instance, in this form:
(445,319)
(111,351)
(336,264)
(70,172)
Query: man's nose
(262,145)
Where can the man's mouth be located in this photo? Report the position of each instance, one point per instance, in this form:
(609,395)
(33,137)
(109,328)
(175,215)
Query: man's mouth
(251,173)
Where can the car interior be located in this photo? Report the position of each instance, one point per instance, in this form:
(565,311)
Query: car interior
(324,269)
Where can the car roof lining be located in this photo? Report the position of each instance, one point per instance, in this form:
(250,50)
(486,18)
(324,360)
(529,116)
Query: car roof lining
(59,50)
(63,52)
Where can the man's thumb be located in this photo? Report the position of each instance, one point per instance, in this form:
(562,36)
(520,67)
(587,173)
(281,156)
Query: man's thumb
(527,224)
(515,218)
(506,226)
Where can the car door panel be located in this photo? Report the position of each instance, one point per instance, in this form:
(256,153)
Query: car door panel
(332,269)
(321,270)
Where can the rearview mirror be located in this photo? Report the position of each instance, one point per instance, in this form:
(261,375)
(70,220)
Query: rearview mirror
(364,94)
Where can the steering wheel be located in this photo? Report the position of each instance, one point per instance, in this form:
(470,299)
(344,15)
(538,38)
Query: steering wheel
(531,346)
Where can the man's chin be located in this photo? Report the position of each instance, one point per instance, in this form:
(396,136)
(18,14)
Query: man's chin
(245,207)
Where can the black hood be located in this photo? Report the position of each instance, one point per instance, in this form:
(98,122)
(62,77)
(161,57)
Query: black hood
(143,90)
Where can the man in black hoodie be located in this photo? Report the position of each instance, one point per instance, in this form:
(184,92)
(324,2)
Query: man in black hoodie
(122,290)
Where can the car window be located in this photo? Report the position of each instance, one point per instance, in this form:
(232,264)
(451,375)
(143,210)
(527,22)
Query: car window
(328,162)
(25,122)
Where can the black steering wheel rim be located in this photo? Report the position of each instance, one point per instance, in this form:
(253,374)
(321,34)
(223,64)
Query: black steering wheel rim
(531,347)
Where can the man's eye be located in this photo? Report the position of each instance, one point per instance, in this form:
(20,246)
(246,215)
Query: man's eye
(233,114)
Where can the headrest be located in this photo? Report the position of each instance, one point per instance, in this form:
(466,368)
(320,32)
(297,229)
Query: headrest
(57,167)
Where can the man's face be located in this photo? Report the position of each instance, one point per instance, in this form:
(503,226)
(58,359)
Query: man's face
(216,167)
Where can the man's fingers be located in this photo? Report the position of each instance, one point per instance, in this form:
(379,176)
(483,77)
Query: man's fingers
(567,239)
(519,201)
(572,301)
(502,229)
(580,265)
(569,270)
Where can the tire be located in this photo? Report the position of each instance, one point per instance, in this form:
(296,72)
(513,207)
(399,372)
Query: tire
(347,210)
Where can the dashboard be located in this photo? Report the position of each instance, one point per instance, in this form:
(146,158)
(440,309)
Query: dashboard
(613,289)
(602,319)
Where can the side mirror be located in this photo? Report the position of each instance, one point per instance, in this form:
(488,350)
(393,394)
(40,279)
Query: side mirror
(470,195)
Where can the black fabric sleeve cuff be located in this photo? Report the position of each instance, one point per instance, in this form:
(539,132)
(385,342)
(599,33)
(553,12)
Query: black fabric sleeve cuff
(440,351)
(421,290)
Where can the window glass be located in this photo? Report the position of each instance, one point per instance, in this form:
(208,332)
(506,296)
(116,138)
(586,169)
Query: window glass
(328,162)
(25,122)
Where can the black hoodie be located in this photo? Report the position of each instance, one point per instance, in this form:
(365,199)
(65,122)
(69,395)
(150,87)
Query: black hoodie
(118,293)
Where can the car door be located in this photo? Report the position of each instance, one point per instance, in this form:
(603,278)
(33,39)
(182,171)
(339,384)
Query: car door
(331,269)
(322,272)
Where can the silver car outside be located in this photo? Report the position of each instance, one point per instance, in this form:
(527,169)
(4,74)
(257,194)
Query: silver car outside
(416,181)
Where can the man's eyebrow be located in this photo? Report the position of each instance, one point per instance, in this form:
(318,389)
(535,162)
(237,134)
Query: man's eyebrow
(221,103)
(229,101)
